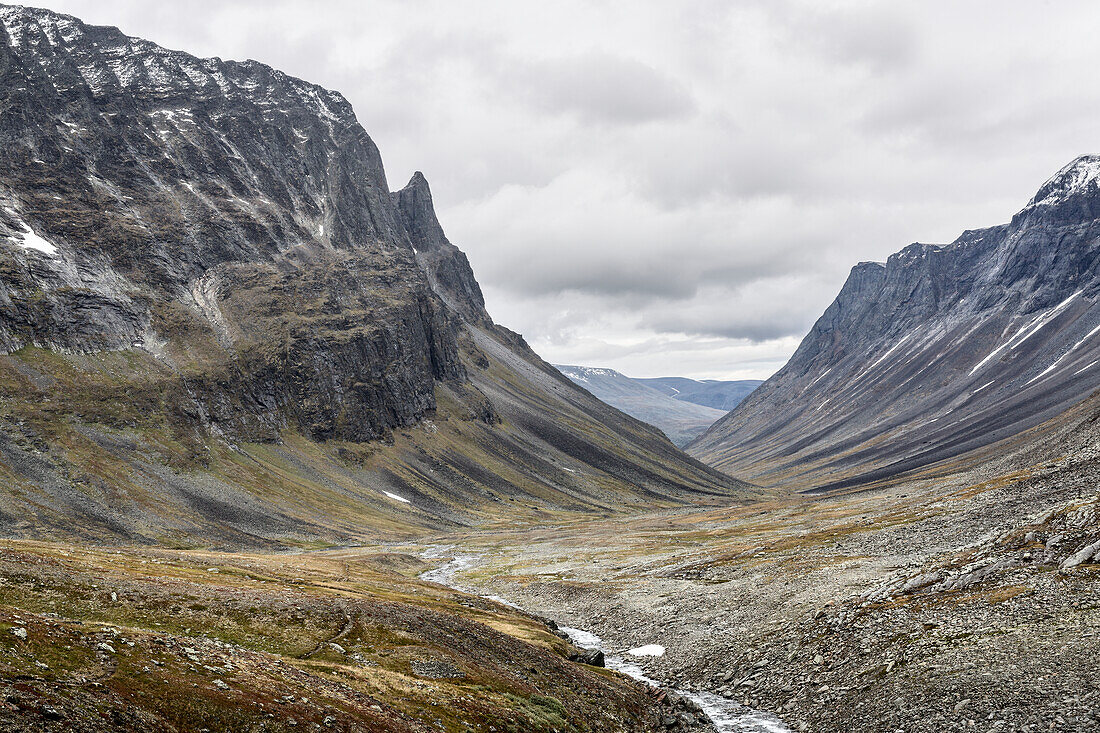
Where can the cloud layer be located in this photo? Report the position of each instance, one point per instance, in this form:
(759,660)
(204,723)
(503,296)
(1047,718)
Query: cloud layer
(681,188)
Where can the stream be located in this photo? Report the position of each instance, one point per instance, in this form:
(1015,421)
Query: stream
(727,716)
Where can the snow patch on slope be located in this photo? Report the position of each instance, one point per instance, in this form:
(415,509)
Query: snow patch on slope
(28,239)
(1028,330)
(33,241)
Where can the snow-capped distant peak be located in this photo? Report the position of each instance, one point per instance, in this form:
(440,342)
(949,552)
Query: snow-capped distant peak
(1080,175)
(583,373)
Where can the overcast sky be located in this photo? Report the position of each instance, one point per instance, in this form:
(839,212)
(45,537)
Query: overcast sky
(681,188)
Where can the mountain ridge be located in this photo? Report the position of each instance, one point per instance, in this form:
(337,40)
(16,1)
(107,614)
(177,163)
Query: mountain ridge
(937,351)
(717,393)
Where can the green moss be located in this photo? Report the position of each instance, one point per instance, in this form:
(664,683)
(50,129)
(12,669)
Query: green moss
(541,712)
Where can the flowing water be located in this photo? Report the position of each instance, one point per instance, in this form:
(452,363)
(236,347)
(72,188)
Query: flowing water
(726,715)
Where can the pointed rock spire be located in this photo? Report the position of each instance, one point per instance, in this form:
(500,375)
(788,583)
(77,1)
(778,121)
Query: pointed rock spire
(447,267)
(414,204)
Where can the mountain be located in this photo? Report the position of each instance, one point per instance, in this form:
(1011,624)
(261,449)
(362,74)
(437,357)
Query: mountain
(219,326)
(721,395)
(680,421)
(938,351)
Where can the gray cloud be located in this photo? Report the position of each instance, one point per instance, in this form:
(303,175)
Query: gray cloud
(746,313)
(600,88)
(877,37)
(681,188)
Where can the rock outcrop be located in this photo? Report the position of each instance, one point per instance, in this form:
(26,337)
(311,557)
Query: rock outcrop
(447,267)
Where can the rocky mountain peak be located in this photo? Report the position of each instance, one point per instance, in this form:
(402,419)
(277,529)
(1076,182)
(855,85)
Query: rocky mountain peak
(1073,193)
(1081,176)
(447,267)
(414,201)
(420,182)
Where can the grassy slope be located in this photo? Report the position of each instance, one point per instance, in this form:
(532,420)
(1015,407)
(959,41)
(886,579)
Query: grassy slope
(96,447)
(180,640)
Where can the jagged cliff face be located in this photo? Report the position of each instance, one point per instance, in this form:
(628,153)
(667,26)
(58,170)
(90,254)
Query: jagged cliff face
(938,351)
(217,321)
(164,189)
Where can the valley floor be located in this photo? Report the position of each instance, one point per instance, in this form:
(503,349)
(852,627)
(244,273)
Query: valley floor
(966,598)
(965,603)
(970,602)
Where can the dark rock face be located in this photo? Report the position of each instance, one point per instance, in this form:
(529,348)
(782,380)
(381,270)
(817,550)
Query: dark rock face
(167,193)
(940,350)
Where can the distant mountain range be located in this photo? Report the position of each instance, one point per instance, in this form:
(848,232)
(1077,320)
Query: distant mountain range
(940,350)
(682,408)
(721,395)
